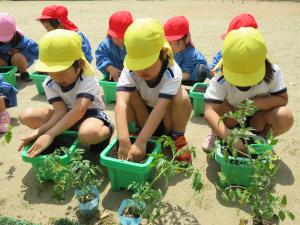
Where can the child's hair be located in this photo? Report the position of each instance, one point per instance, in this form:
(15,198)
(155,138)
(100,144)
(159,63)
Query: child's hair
(53,22)
(269,72)
(15,39)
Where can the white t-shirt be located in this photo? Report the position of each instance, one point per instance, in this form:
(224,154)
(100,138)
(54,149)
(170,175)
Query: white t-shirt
(83,87)
(166,86)
(219,89)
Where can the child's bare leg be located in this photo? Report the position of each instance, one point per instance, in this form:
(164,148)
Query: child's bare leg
(181,109)
(35,117)
(20,61)
(279,119)
(2,104)
(3,62)
(93,131)
(138,110)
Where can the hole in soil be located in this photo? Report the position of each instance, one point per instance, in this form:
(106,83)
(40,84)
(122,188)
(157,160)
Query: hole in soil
(61,141)
(149,148)
(200,89)
(4,70)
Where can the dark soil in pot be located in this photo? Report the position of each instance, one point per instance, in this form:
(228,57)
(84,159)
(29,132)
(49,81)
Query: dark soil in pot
(259,221)
(130,212)
(200,89)
(61,141)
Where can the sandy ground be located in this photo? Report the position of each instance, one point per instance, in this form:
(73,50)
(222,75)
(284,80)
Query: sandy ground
(20,194)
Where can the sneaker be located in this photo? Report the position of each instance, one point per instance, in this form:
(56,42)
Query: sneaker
(4,121)
(180,142)
(209,143)
(25,77)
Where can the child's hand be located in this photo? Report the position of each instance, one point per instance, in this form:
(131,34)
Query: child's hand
(123,150)
(39,145)
(137,152)
(114,73)
(32,136)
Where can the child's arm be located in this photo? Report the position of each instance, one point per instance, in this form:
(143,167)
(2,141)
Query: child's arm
(102,57)
(138,149)
(67,121)
(122,123)
(271,101)
(86,47)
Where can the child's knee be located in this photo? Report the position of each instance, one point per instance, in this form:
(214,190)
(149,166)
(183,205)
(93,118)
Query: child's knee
(25,116)
(90,134)
(287,118)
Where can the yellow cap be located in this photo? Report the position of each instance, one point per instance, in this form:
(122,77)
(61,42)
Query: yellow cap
(243,57)
(144,39)
(58,49)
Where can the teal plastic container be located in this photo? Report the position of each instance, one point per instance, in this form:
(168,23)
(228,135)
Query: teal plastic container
(122,173)
(197,94)
(9,74)
(37,161)
(238,170)
(38,80)
(109,90)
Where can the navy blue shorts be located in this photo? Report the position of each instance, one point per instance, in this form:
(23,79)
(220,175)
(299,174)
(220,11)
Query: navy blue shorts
(94,113)
(160,130)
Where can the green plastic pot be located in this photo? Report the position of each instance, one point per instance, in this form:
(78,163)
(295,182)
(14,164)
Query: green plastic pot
(38,79)
(109,90)
(198,98)
(9,74)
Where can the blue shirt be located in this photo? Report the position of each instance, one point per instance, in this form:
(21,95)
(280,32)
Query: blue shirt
(26,47)
(9,92)
(216,59)
(86,47)
(189,60)
(109,53)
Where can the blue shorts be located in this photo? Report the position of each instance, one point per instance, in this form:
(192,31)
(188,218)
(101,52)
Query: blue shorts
(94,113)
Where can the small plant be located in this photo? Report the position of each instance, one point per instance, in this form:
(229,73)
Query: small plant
(264,204)
(147,201)
(79,174)
(8,134)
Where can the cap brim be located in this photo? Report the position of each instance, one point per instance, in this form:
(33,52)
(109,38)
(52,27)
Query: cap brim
(115,34)
(174,37)
(140,63)
(44,17)
(51,67)
(244,80)
(223,36)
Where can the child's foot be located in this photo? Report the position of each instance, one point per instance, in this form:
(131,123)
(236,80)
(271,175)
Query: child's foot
(180,142)
(4,121)
(25,77)
(209,143)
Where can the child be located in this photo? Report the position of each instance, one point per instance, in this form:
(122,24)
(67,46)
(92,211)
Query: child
(248,74)
(242,20)
(15,48)
(71,90)
(191,61)
(7,99)
(149,91)
(111,52)
(56,17)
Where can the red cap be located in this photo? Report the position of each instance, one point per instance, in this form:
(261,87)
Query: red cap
(60,13)
(176,27)
(242,20)
(118,23)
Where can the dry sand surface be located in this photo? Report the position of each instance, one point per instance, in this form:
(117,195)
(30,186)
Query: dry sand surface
(21,196)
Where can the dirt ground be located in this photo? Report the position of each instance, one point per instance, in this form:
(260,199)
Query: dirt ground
(21,196)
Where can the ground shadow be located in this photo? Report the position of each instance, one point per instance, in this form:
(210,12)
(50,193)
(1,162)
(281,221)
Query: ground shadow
(284,176)
(14,122)
(35,192)
(9,174)
(22,84)
(110,106)
(112,200)
(176,215)
(198,119)
(39,98)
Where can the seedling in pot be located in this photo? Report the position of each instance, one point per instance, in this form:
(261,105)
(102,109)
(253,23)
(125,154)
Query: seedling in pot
(265,205)
(147,200)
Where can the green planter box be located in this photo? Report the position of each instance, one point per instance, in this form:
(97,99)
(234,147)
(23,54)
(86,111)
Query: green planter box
(197,94)
(9,74)
(65,159)
(109,90)
(38,79)
(121,172)
(238,170)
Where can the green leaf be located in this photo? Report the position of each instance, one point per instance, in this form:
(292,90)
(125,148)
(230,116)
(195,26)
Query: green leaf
(281,215)
(284,201)
(291,215)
